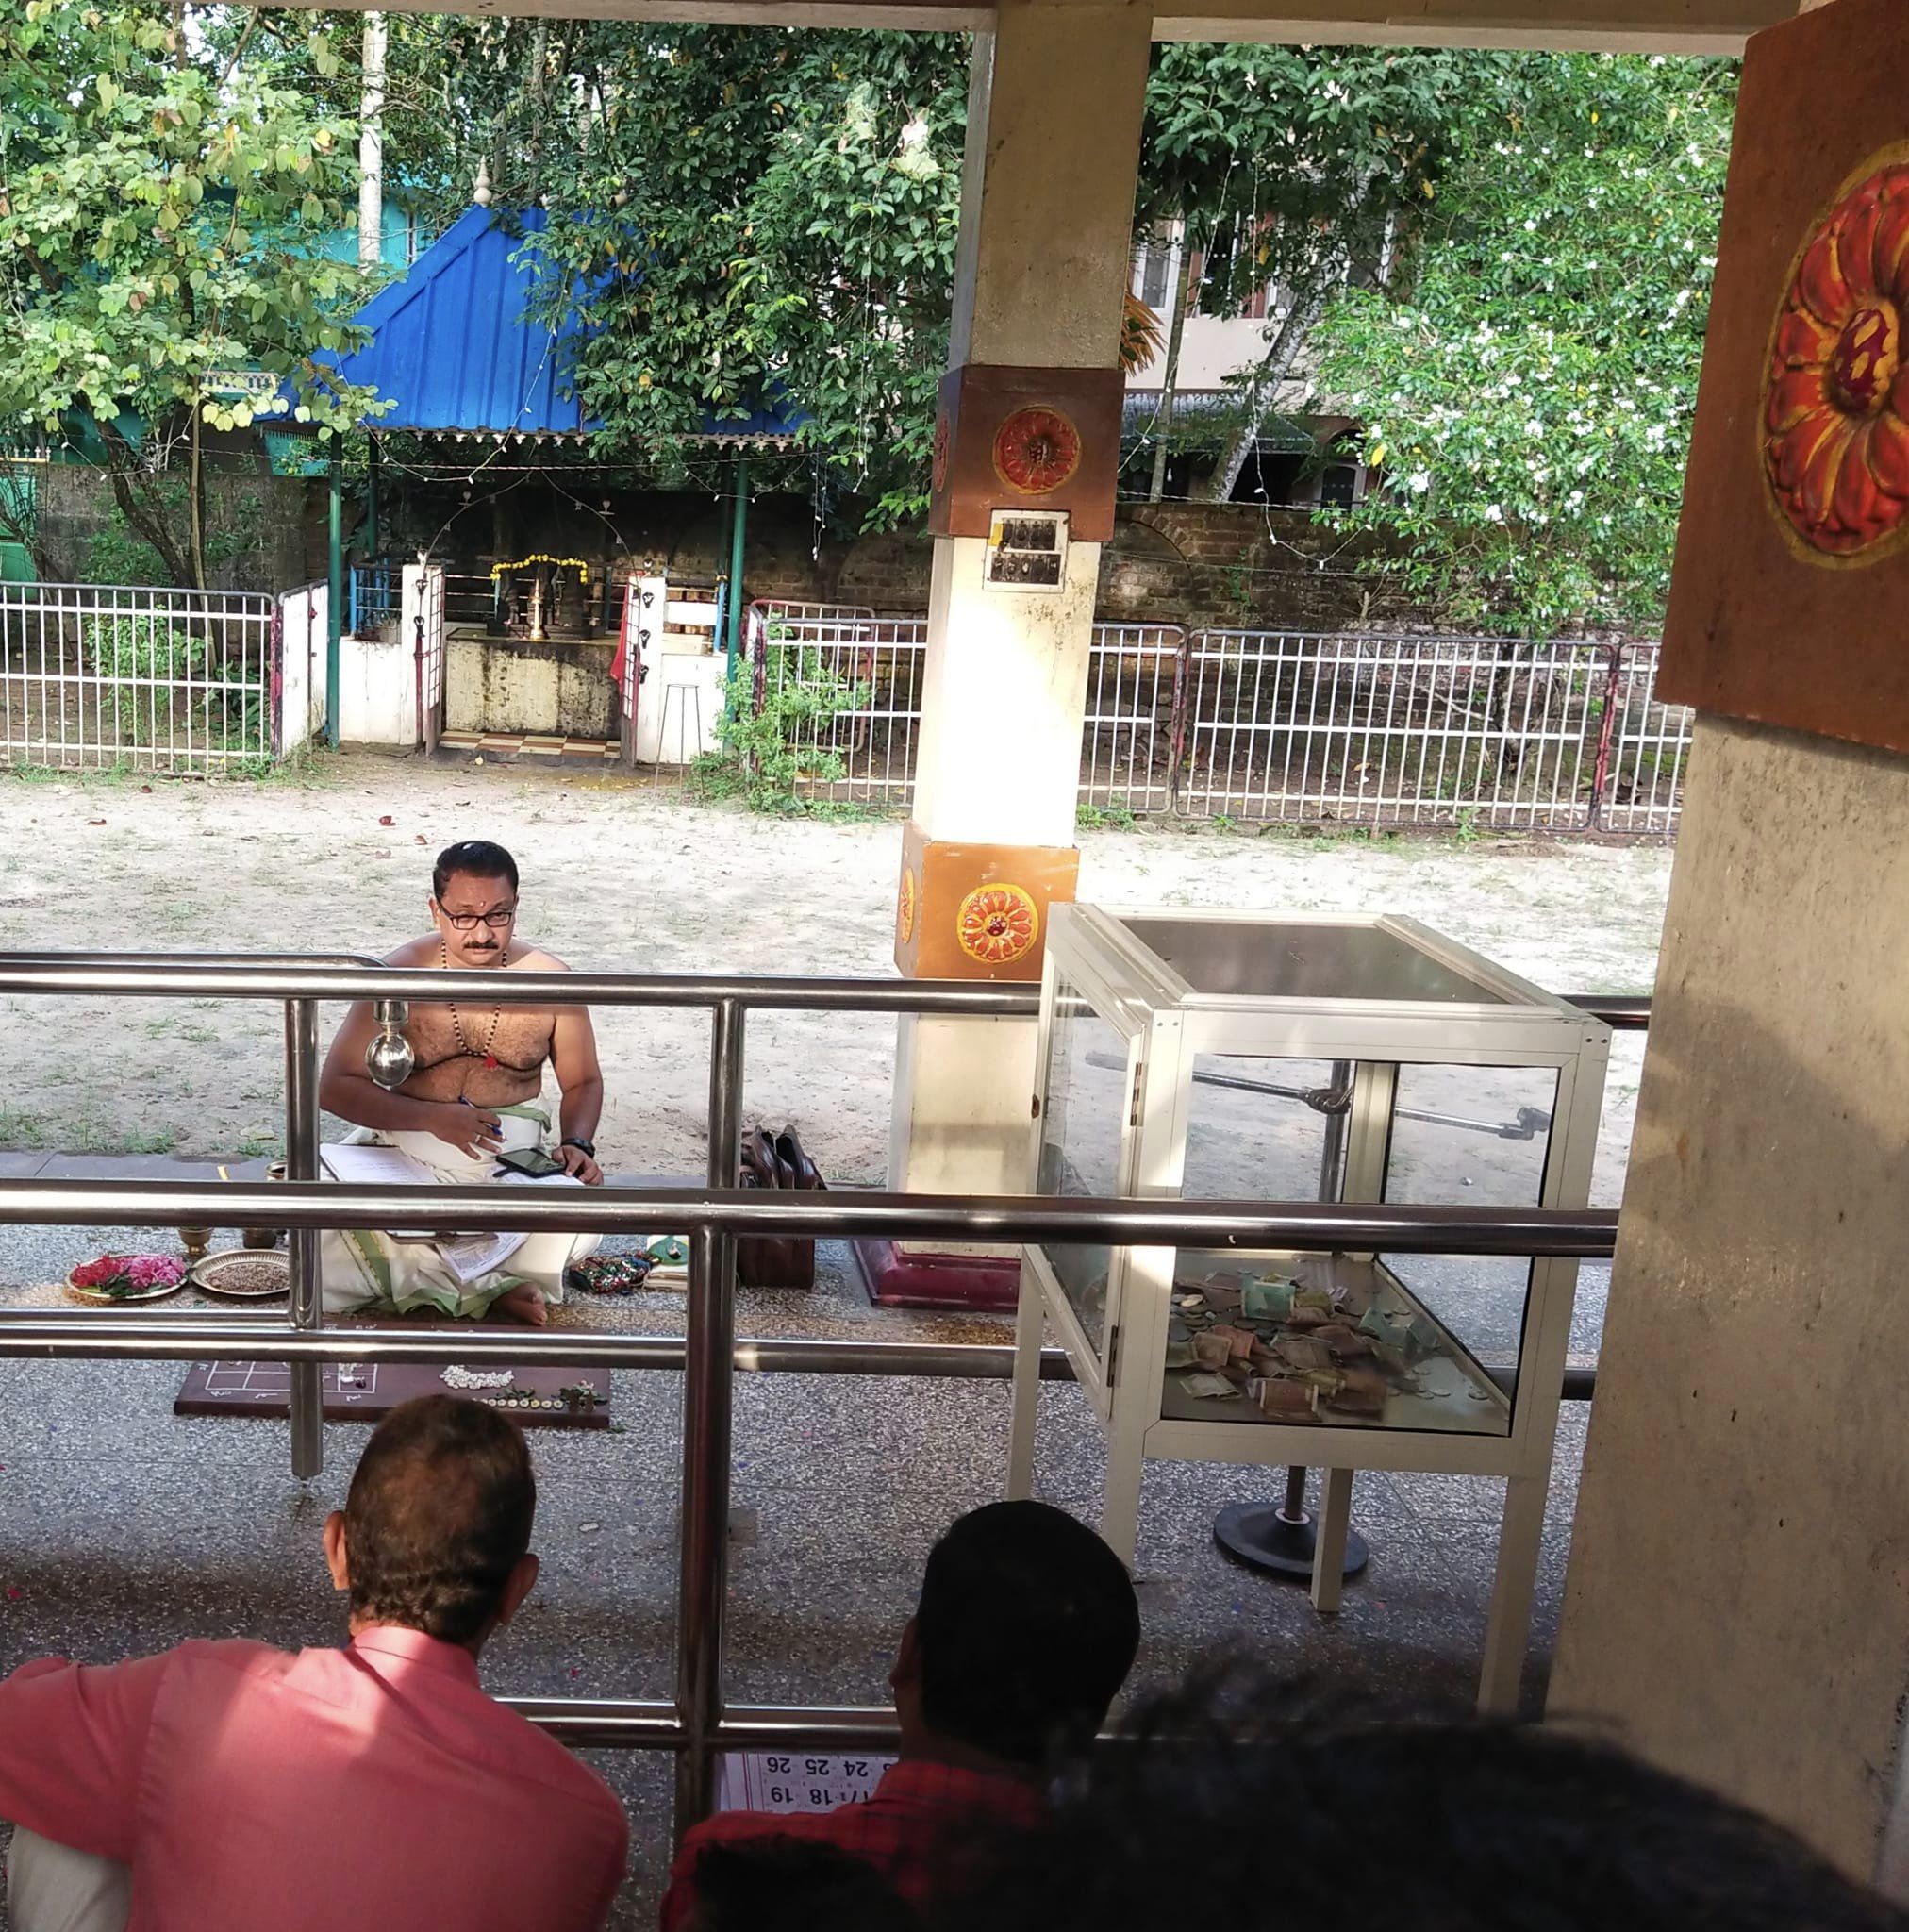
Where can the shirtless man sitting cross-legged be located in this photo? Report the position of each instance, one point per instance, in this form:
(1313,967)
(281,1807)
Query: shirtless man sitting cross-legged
(471,1094)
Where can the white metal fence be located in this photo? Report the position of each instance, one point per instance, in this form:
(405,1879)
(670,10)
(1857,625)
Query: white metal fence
(1273,727)
(1644,748)
(1130,747)
(1390,730)
(93,675)
(849,687)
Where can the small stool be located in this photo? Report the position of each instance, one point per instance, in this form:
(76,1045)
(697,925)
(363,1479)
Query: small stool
(686,695)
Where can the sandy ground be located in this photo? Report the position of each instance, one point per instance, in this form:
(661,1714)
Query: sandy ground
(620,877)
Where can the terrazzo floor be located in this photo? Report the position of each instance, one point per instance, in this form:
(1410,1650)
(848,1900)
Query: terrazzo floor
(124,1529)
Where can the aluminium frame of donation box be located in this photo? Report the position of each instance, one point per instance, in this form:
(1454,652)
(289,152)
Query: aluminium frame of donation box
(1370,995)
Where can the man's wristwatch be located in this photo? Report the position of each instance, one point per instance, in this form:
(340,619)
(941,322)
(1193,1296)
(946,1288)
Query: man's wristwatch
(587,1148)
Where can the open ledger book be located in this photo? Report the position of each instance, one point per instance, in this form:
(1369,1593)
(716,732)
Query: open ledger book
(467,1255)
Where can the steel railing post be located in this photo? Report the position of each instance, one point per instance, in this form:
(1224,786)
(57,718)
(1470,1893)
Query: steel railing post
(1333,1151)
(307,1298)
(709,1376)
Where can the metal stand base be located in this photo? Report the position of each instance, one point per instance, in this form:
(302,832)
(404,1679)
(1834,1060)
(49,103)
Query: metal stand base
(1262,1534)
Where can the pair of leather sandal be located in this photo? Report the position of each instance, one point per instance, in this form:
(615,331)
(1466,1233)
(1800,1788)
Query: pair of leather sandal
(780,1162)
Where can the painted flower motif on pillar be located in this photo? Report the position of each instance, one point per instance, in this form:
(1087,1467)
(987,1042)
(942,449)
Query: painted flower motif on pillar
(997,925)
(977,911)
(1836,401)
(1793,542)
(1036,450)
(1008,438)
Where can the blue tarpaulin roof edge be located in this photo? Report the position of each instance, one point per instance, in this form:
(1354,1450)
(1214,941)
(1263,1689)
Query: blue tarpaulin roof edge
(454,345)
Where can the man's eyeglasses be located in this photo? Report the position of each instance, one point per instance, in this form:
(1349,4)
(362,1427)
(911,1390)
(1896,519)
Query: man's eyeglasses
(470,921)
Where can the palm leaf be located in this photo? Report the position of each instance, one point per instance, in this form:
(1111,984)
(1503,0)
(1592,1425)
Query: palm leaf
(1141,337)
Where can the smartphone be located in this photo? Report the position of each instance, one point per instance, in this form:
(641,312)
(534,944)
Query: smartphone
(532,1162)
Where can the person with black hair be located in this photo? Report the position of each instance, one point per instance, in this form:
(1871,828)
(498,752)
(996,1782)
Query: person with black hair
(1243,1802)
(795,1885)
(231,1787)
(1025,1630)
(474,1093)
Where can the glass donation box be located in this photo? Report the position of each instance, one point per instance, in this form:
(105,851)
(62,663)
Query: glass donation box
(1233,1055)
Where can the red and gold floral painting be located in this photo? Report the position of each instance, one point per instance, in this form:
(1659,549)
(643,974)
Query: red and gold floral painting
(1789,601)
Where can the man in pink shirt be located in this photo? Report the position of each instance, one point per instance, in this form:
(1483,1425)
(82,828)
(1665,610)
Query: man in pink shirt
(234,1788)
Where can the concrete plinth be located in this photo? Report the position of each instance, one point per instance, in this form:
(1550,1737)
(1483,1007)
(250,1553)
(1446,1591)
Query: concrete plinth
(1738,1597)
(377,691)
(495,684)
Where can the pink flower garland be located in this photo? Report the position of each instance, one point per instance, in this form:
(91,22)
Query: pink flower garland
(124,1274)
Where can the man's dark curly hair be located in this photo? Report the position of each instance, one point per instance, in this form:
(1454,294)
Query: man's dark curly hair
(1245,1803)
(797,1885)
(439,1514)
(1027,1625)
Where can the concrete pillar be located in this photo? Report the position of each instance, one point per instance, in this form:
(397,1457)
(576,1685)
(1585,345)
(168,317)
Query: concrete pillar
(1737,1603)
(1054,128)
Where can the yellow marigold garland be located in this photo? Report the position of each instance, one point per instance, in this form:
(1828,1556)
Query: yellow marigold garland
(575,563)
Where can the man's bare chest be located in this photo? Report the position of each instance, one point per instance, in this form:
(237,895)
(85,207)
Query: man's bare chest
(517,1037)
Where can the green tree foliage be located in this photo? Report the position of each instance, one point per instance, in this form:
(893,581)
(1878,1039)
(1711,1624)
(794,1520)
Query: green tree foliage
(163,181)
(745,212)
(741,214)
(1530,395)
(1297,166)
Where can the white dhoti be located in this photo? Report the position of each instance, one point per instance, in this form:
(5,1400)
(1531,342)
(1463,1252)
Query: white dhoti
(51,1887)
(363,1268)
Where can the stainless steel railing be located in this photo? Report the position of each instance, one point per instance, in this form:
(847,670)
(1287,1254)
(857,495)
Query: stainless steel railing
(699,1722)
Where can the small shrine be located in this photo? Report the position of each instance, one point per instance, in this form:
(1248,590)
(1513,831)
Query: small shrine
(482,470)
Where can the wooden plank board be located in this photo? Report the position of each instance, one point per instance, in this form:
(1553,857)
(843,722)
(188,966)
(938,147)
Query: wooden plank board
(1786,594)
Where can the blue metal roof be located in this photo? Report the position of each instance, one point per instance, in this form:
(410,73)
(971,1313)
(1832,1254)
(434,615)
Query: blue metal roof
(455,346)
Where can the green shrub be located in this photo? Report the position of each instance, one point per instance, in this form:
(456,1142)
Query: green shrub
(762,760)
(1103,817)
(116,553)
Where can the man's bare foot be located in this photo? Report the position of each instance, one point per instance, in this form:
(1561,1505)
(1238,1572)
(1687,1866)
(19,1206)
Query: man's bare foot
(524,1304)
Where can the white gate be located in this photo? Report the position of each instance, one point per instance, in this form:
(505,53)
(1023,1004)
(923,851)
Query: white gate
(643,606)
(423,615)
(299,683)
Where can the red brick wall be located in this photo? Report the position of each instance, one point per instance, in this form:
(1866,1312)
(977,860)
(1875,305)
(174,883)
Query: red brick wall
(1224,564)
(1192,563)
